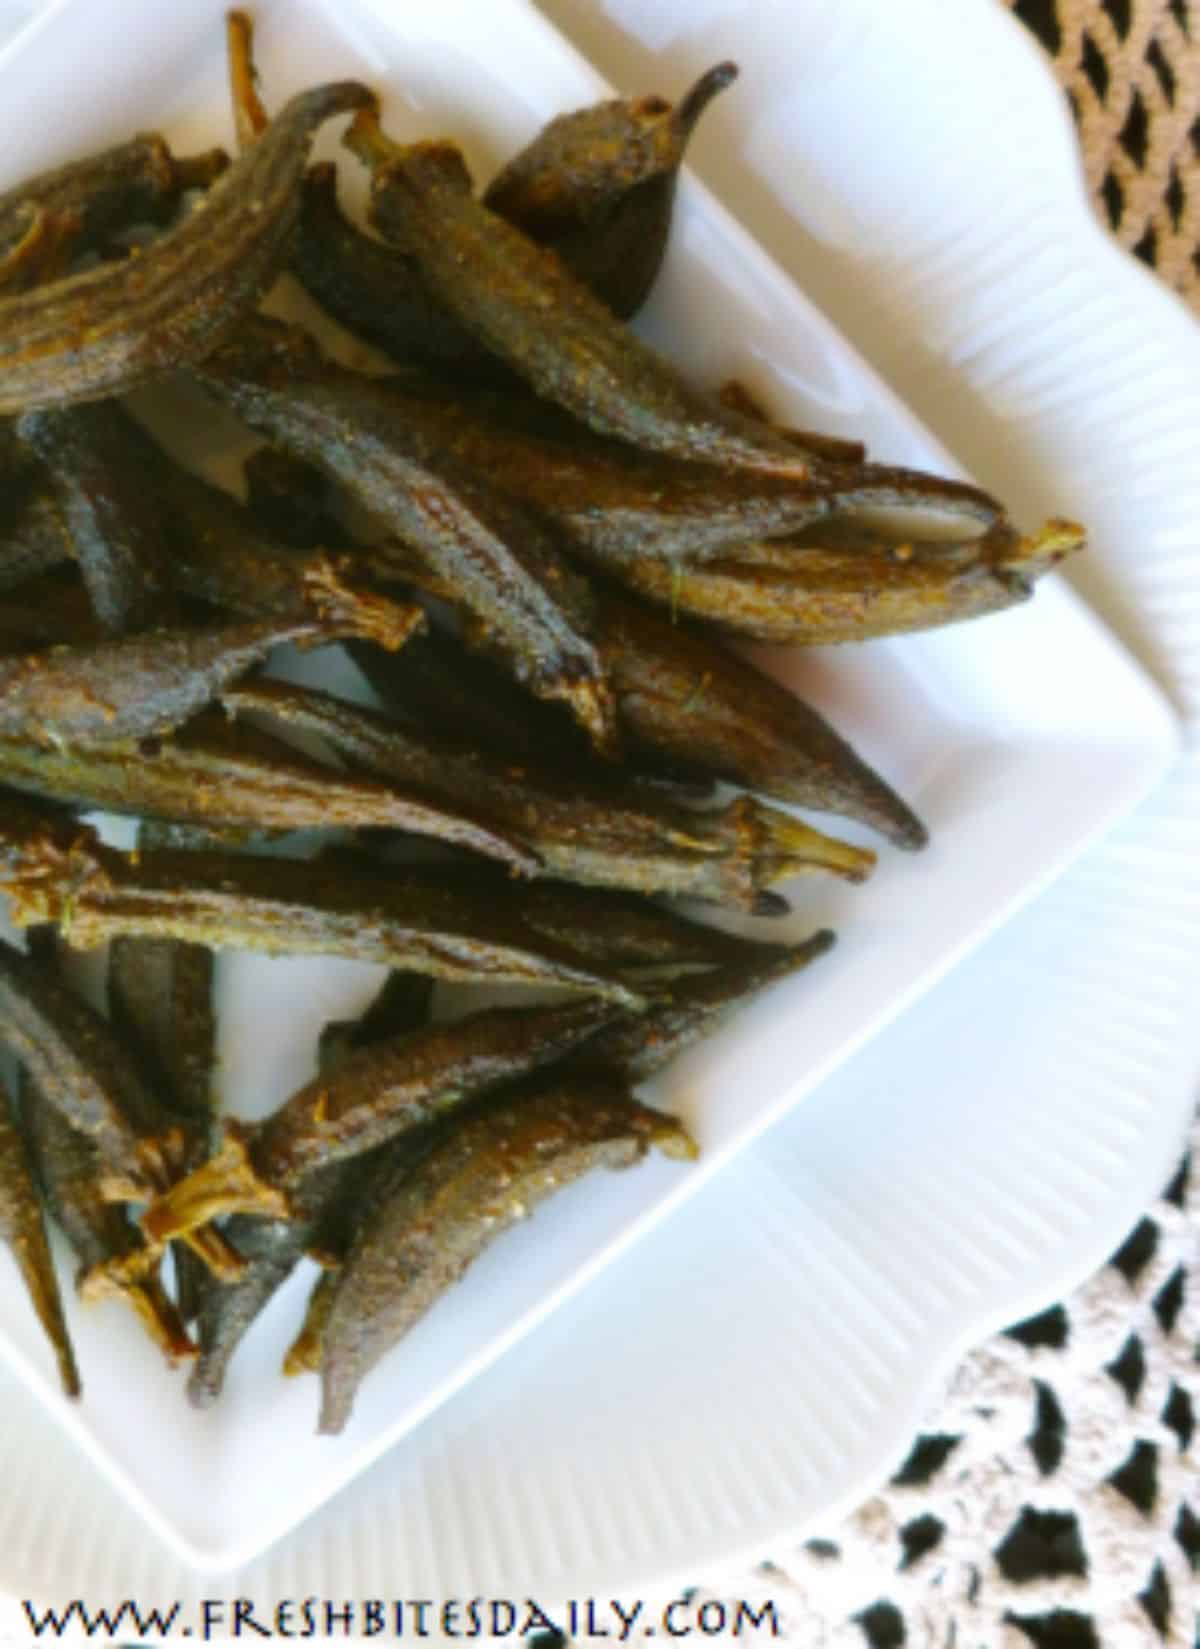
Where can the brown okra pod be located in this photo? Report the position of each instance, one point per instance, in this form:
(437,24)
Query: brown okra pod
(139,181)
(369,287)
(525,305)
(377,291)
(114,1261)
(733,393)
(609,502)
(818,596)
(488,1172)
(214,775)
(160,1002)
(402,1003)
(634,1047)
(290,500)
(615,506)
(120,536)
(77,1063)
(639,1045)
(221,554)
(101,332)
(23,1231)
(285,906)
(326,1208)
(621,932)
(33,535)
(500,560)
(68,1168)
(684,694)
(605,833)
(434,682)
(138,686)
(374,1096)
(79,1066)
(597,186)
(50,610)
(30,836)
(42,253)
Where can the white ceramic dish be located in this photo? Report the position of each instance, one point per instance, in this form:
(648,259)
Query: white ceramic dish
(1019,739)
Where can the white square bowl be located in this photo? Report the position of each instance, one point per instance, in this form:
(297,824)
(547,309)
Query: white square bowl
(1018,739)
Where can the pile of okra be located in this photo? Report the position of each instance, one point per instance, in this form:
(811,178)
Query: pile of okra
(535,538)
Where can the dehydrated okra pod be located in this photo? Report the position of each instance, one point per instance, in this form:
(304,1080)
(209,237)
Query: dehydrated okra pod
(598,187)
(502,563)
(138,686)
(639,1045)
(101,332)
(69,1169)
(283,906)
(139,181)
(880,587)
(213,774)
(684,694)
(160,1001)
(33,535)
(606,833)
(120,535)
(385,1090)
(524,304)
(489,1171)
(23,1231)
(325,1209)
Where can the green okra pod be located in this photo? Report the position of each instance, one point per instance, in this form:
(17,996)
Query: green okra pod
(597,186)
(488,1172)
(524,304)
(385,1090)
(101,332)
(23,1231)
(501,561)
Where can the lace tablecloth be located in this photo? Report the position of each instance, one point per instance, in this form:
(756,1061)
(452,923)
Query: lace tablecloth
(1053,1497)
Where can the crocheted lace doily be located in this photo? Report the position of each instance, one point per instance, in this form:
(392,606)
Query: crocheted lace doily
(1053,1499)
(1131,69)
